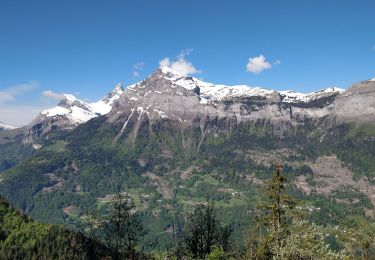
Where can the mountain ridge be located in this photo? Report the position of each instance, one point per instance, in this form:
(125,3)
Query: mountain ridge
(170,94)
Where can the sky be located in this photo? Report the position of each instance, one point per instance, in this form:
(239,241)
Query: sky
(86,47)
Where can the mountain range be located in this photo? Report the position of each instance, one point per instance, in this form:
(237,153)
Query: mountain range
(171,141)
(169,94)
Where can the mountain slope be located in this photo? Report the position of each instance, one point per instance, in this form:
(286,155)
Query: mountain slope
(23,238)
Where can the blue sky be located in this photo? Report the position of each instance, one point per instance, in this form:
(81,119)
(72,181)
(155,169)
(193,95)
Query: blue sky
(87,47)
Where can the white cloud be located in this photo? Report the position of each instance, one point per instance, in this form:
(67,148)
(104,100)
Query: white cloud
(10,93)
(257,64)
(52,95)
(277,62)
(137,69)
(180,65)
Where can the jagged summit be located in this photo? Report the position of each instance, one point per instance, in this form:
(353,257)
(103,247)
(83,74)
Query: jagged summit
(210,92)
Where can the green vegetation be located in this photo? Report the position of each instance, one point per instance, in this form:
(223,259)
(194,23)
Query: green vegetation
(203,233)
(23,238)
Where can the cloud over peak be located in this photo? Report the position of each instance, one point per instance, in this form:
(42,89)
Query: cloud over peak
(180,64)
(258,64)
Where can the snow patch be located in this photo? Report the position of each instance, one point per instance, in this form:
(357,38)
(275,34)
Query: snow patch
(292,97)
(55,111)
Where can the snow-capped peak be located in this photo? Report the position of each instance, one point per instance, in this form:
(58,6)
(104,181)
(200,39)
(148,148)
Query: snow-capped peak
(69,97)
(79,111)
(373,79)
(73,108)
(6,127)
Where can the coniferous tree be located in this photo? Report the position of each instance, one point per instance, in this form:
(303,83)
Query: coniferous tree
(204,232)
(122,229)
(278,200)
(272,220)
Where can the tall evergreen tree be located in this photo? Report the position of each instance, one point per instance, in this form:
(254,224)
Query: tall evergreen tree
(271,217)
(204,232)
(278,200)
(122,228)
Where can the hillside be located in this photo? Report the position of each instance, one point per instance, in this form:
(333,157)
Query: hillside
(23,238)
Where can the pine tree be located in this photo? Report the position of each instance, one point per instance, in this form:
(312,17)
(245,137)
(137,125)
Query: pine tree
(204,232)
(279,201)
(122,228)
(272,219)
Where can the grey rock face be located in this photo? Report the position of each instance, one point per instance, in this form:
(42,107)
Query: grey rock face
(166,95)
(183,98)
(357,104)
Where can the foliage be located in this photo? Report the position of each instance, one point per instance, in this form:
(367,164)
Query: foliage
(23,238)
(304,241)
(204,232)
(121,228)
